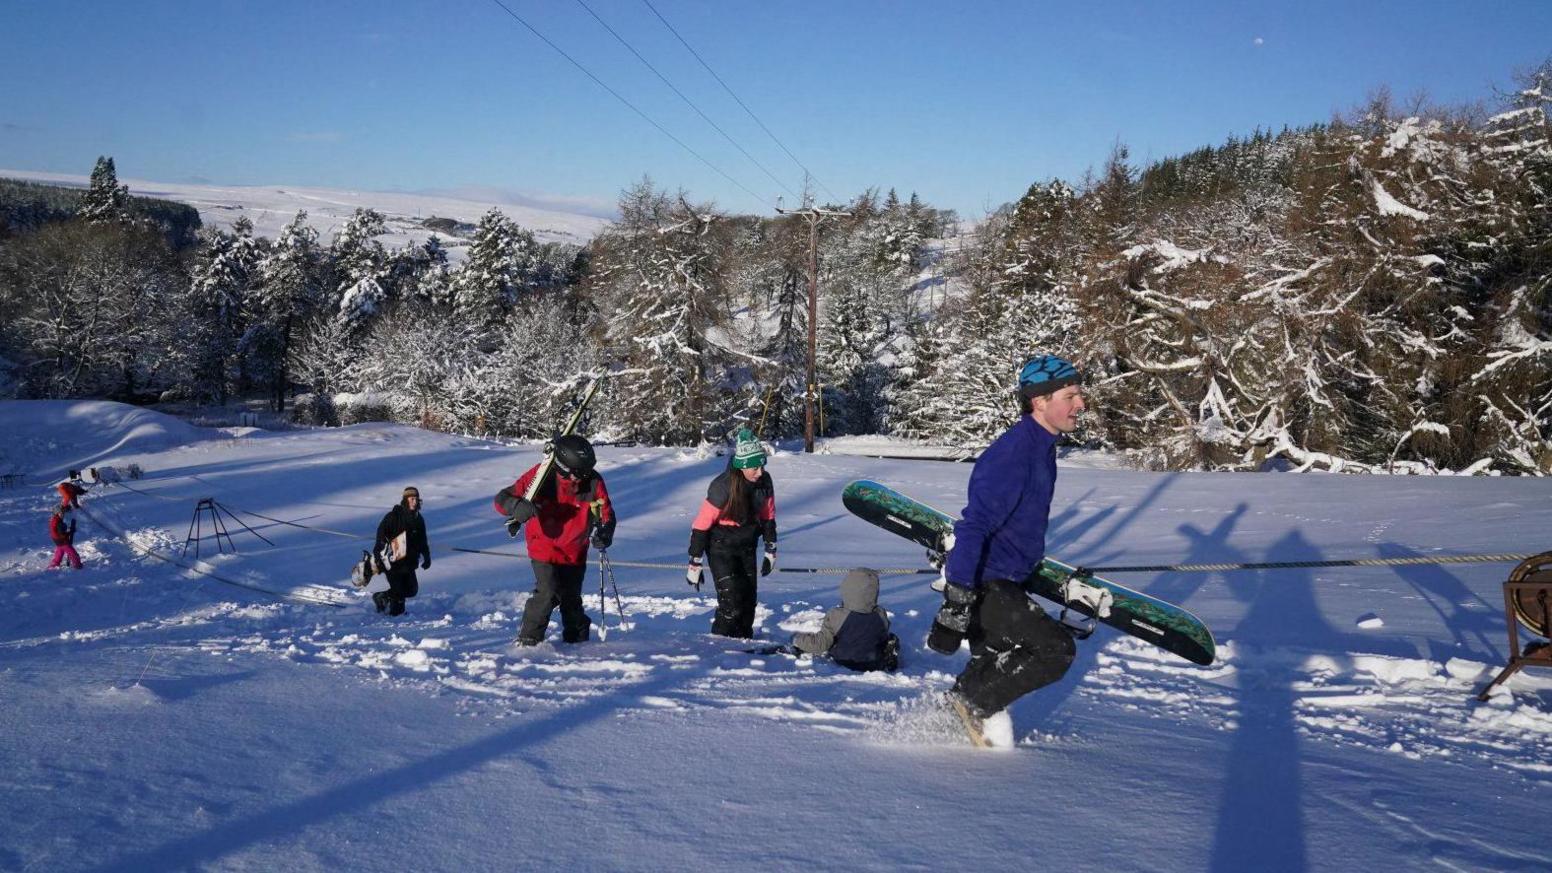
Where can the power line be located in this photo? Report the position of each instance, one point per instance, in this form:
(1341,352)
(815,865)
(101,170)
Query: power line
(725,87)
(645,117)
(688,101)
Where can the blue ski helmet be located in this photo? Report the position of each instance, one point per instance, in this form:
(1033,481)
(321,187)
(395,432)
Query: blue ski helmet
(1047,374)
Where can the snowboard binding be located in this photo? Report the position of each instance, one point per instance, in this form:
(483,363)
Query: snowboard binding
(1083,604)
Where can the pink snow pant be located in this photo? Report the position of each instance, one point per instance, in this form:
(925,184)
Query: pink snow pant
(61,552)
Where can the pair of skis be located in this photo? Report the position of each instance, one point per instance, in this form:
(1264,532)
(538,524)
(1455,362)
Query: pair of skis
(548,463)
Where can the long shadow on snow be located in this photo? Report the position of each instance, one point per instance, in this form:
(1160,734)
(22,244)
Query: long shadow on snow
(1260,819)
(1476,632)
(288,819)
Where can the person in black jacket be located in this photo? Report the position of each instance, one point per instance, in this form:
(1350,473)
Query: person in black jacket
(401,555)
(740,508)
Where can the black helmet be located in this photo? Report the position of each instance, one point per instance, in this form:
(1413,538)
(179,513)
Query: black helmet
(574,454)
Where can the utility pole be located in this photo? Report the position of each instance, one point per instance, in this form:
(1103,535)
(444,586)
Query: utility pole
(811,393)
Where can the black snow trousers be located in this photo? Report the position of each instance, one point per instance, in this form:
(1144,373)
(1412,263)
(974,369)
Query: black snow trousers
(402,584)
(735,575)
(1014,649)
(555,585)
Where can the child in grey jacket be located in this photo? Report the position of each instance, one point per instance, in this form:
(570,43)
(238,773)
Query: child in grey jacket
(856,633)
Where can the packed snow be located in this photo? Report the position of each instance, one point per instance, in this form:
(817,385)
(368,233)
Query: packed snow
(250,711)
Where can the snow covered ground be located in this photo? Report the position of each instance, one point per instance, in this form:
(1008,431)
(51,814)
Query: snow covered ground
(271,207)
(157,718)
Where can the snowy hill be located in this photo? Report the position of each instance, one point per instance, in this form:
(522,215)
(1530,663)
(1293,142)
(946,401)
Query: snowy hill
(270,208)
(157,717)
(45,439)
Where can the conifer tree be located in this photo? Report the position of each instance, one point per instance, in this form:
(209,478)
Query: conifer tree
(498,271)
(290,289)
(106,199)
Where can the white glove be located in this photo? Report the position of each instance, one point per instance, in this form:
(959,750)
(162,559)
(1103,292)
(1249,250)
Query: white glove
(692,574)
(1095,597)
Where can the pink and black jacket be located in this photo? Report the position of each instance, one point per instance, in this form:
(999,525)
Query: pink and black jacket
(714,530)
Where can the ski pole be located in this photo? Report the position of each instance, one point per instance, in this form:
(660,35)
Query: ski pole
(603,612)
(607,565)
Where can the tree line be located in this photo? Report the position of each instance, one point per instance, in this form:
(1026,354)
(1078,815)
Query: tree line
(1370,294)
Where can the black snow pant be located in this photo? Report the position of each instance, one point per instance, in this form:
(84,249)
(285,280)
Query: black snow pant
(402,584)
(735,577)
(556,585)
(1014,649)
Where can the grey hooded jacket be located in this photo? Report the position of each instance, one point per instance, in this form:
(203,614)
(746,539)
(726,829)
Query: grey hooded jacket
(859,596)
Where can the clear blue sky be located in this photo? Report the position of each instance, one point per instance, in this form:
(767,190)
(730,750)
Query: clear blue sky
(967,104)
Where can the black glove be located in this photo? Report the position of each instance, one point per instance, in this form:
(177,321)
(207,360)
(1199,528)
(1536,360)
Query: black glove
(425,562)
(952,622)
(521,510)
(768,563)
(602,538)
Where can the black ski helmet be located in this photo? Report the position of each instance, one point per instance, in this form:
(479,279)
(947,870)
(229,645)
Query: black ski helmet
(574,454)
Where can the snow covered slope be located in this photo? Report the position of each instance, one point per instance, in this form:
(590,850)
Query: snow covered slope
(45,439)
(272,207)
(159,718)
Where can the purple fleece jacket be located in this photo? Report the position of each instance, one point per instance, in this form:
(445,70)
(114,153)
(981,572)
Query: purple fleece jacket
(1001,533)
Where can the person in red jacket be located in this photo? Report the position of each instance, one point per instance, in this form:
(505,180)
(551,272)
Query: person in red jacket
(570,507)
(70,491)
(62,532)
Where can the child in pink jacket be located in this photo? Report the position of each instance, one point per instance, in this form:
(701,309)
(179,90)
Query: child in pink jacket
(62,532)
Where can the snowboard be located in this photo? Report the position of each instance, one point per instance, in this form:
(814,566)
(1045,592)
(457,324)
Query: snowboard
(365,574)
(1147,618)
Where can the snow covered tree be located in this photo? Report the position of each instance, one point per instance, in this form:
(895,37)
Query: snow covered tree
(289,291)
(413,362)
(224,273)
(658,280)
(91,309)
(526,386)
(498,270)
(106,199)
(966,394)
(360,269)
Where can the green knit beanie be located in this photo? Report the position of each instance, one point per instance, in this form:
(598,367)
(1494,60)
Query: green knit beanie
(748,453)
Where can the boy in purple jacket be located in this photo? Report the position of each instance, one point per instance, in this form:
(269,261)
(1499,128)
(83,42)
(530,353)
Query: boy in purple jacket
(999,541)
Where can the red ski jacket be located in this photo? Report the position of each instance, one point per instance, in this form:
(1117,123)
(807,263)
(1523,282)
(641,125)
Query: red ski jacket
(61,531)
(558,533)
(69,493)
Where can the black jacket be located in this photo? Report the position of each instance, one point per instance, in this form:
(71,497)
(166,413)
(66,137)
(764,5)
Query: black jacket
(402,519)
(712,531)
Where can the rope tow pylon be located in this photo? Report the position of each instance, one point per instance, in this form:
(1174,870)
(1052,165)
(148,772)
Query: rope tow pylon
(213,508)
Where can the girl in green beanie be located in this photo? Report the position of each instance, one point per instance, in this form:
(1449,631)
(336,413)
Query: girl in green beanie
(739,510)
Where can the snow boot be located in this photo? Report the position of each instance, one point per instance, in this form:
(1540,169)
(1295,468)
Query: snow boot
(968,718)
(578,635)
(380,600)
